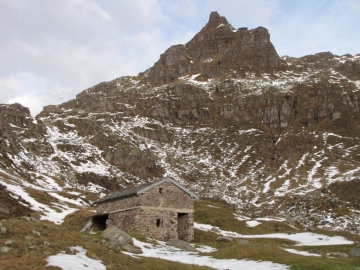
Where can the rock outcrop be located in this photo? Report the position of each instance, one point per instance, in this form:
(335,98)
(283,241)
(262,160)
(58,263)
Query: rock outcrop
(217,48)
(119,240)
(355,252)
(181,244)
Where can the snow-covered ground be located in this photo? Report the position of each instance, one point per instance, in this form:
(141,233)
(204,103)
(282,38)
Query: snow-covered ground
(78,260)
(162,251)
(301,238)
(54,211)
(165,252)
(303,253)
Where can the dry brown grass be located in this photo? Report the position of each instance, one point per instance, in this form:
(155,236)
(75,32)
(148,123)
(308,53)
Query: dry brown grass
(14,206)
(222,215)
(41,196)
(77,220)
(264,248)
(31,253)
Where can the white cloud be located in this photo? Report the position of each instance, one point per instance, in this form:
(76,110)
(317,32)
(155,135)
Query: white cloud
(33,102)
(9,86)
(32,91)
(246,13)
(181,8)
(311,27)
(74,45)
(91,8)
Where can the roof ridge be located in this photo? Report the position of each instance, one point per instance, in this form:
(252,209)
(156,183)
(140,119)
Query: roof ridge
(142,188)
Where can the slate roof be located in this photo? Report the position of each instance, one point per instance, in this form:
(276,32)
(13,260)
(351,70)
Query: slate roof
(142,189)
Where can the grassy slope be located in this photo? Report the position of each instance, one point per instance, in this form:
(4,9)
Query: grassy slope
(30,253)
(55,238)
(266,249)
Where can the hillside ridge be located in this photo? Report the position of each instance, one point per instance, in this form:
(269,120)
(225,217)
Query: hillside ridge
(223,114)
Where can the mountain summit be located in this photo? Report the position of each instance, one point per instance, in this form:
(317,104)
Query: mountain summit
(215,20)
(215,50)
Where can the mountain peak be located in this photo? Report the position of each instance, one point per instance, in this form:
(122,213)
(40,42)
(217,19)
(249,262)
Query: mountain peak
(217,48)
(215,20)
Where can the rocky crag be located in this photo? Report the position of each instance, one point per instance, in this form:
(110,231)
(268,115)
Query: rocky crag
(214,51)
(223,114)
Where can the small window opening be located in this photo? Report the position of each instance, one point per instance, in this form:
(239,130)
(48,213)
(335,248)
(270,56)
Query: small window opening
(159,223)
(160,190)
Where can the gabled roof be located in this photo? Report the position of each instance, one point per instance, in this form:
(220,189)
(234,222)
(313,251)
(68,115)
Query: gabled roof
(142,189)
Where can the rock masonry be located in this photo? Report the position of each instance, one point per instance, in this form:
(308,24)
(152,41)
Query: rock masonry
(162,213)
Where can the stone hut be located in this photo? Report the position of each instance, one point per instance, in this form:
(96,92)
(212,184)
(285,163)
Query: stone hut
(161,210)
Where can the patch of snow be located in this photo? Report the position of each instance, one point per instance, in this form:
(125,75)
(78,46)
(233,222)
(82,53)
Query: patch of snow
(304,253)
(46,182)
(272,219)
(193,77)
(302,238)
(209,205)
(267,184)
(74,193)
(78,261)
(252,223)
(174,254)
(241,218)
(77,202)
(44,210)
(307,238)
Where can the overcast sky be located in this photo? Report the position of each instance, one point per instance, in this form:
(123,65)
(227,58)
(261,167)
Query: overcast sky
(52,50)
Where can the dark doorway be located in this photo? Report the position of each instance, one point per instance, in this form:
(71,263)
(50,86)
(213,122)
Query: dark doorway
(183,226)
(99,222)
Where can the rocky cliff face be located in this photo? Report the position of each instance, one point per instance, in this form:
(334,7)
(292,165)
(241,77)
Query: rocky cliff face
(223,114)
(217,49)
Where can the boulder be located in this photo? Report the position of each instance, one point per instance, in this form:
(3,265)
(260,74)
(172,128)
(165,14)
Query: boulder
(33,219)
(9,242)
(355,252)
(88,225)
(338,254)
(181,244)
(103,241)
(131,248)
(25,218)
(4,249)
(3,230)
(215,230)
(36,233)
(315,251)
(223,239)
(117,236)
(4,209)
(113,246)
(243,242)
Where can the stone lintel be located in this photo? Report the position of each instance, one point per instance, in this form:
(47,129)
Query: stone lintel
(177,210)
